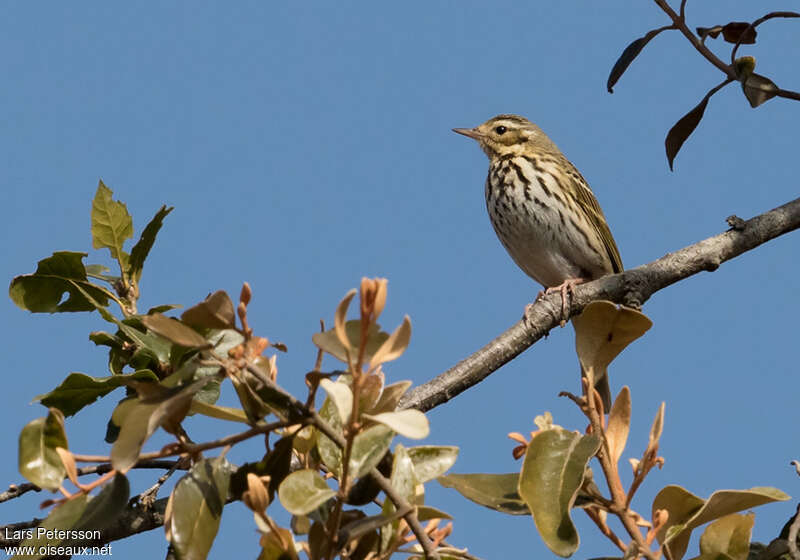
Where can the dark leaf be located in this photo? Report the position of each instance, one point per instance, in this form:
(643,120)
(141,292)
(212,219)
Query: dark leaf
(142,248)
(712,32)
(79,390)
(682,129)
(276,464)
(739,32)
(163,308)
(62,517)
(758,89)
(103,509)
(63,272)
(627,56)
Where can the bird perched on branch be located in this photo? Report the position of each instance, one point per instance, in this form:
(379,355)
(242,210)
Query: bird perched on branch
(543,211)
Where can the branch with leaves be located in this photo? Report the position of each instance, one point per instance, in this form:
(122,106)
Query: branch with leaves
(756,88)
(322,465)
(179,365)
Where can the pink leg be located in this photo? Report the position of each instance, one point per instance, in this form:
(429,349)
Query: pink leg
(565,288)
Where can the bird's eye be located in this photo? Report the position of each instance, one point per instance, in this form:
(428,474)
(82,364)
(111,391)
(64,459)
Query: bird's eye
(500,130)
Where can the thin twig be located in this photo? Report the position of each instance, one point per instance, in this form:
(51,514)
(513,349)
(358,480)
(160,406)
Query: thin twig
(605,529)
(755,24)
(17,490)
(694,40)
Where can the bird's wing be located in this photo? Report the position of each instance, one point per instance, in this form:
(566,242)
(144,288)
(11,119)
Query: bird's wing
(588,202)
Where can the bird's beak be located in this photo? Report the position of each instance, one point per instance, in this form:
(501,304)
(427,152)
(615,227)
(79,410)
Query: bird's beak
(470,132)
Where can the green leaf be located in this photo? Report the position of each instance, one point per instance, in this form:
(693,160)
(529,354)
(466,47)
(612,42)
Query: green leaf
(215,312)
(222,341)
(369,447)
(304,491)
(404,478)
(687,511)
(63,516)
(98,271)
(219,412)
(148,345)
(329,452)
(494,491)
(38,460)
(342,397)
(432,461)
(404,481)
(121,411)
(727,537)
(145,416)
(111,224)
(195,508)
(390,396)
(410,423)
(329,342)
(104,509)
(174,331)
(426,513)
(552,473)
(62,273)
(142,248)
(79,390)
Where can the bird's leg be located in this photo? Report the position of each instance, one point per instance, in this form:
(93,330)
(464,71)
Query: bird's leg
(565,288)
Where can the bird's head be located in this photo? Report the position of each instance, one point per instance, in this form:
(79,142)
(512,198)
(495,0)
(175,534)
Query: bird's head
(508,135)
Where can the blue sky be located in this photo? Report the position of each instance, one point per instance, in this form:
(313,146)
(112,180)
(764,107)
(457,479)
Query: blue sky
(305,145)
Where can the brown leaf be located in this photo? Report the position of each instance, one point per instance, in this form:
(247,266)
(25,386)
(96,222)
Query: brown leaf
(602,331)
(619,423)
(628,55)
(682,129)
(215,312)
(174,331)
(656,429)
(340,318)
(712,32)
(395,345)
(739,32)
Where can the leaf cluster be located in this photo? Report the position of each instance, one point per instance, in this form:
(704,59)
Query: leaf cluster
(332,469)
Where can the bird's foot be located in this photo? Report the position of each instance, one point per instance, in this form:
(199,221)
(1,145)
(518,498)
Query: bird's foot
(565,288)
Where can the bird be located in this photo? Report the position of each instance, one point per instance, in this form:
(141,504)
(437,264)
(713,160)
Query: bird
(543,211)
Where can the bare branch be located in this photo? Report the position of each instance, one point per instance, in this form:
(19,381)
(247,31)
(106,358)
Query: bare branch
(17,490)
(633,288)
